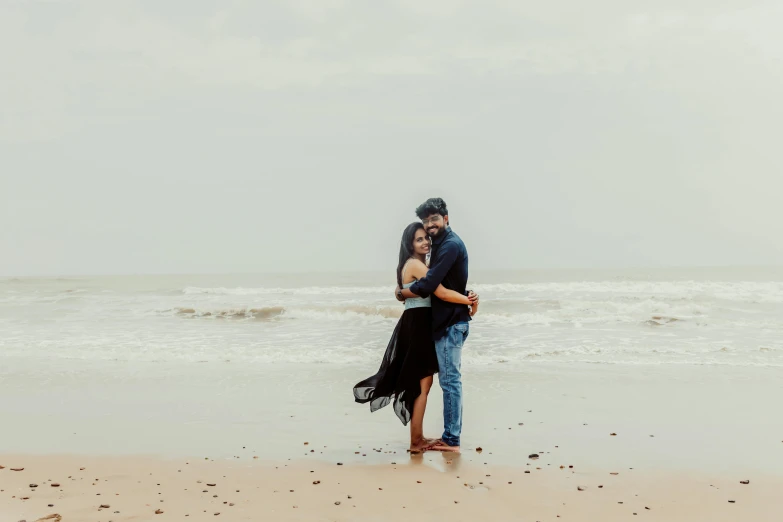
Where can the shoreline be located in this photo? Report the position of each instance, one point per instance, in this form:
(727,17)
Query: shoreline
(685,438)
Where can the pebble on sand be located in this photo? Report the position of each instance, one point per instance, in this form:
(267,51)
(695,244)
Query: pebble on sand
(744,482)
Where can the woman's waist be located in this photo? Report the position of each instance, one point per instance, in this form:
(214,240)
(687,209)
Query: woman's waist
(418,302)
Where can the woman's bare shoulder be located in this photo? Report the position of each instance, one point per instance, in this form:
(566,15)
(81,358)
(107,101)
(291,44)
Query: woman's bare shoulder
(417,268)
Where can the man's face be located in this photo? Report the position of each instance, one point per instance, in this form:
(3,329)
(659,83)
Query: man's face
(435,224)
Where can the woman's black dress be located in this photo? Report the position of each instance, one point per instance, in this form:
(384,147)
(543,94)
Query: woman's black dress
(410,356)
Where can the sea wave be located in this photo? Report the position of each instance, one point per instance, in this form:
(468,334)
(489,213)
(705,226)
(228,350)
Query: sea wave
(741,291)
(312,290)
(342,313)
(230,313)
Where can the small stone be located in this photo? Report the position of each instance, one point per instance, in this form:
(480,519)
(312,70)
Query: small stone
(612,434)
(33,485)
(337,503)
(316,482)
(580,488)
(479,449)
(211,484)
(158,511)
(340,463)
(744,482)
(732,501)
(17,469)
(533,456)
(105,506)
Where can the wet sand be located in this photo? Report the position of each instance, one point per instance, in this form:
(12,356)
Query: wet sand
(685,438)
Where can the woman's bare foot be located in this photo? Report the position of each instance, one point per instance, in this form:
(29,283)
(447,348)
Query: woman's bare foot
(423,445)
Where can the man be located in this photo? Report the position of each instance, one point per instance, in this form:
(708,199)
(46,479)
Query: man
(449,267)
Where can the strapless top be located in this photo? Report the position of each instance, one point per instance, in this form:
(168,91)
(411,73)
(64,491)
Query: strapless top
(416,302)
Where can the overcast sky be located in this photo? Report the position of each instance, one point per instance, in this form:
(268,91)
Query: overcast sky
(243,136)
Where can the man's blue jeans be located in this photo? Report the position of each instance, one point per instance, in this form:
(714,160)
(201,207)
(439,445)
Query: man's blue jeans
(449,351)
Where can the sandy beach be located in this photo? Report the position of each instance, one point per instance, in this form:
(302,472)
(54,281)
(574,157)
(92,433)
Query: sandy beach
(419,488)
(286,443)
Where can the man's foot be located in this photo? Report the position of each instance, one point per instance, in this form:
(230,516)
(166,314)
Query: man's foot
(442,446)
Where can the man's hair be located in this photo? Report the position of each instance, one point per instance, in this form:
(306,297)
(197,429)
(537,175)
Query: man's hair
(432,206)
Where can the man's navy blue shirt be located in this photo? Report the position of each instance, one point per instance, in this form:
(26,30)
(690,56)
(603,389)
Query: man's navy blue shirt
(449,267)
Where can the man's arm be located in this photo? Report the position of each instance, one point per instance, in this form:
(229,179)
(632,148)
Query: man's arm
(426,286)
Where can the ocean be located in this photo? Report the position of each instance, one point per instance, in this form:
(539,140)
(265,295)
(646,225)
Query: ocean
(726,316)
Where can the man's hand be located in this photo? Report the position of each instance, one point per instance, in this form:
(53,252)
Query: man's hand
(397,294)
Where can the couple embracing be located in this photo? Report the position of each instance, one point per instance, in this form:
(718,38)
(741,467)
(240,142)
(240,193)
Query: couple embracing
(429,336)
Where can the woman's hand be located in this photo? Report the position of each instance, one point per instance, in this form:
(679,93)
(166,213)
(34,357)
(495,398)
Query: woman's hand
(474,300)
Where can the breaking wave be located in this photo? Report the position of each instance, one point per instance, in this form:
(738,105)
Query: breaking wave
(231,313)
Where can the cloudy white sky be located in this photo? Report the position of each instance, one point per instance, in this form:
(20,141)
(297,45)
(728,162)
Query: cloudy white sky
(244,136)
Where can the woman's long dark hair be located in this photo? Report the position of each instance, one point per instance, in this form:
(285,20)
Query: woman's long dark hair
(406,247)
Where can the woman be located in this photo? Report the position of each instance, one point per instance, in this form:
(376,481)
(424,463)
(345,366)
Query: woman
(410,361)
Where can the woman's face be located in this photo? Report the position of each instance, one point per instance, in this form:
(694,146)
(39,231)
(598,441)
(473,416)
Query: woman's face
(421,242)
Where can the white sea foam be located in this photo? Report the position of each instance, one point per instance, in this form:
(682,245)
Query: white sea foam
(610,321)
